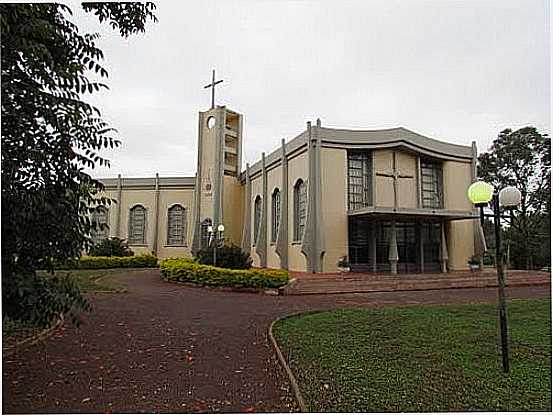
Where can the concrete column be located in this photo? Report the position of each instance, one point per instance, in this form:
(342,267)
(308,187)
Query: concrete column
(119,207)
(247,232)
(198,190)
(313,239)
(219,167)
(156,215)
(393,256)
(261,243)
(443,249)
(421,246)
(282,237)
(373,246)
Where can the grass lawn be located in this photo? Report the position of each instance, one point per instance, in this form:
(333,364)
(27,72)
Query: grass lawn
(420,358)
(94,279)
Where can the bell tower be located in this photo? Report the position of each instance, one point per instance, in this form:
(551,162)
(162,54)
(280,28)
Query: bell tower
(218,196)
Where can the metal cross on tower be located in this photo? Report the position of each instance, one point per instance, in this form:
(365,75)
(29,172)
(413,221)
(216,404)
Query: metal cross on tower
(395,175)
(212,86)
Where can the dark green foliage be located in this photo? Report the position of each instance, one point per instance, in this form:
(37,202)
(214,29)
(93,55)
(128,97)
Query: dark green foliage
(111,247)
(39,300)
(101,262)
(228,256)
(49,135)
(522,158)
(186,270)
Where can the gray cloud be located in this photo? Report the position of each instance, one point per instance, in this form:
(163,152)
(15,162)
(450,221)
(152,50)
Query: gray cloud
(453,70)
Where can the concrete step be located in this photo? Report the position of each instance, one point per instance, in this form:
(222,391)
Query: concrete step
(338,285)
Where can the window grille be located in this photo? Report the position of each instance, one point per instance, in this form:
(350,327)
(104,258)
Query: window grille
(137,225)
(176,225)
(431,186)
(100,220)
(256,218)
(275,214)
(300,209)
(359,180)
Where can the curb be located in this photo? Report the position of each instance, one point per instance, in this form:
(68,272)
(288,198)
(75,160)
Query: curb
(264,291)
(291,377)
(43,335)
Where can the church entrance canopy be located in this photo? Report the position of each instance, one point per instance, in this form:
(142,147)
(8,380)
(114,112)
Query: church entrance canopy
(381,240)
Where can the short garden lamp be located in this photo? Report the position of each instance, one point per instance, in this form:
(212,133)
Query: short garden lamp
(217,239)
(221,231)
(481,194)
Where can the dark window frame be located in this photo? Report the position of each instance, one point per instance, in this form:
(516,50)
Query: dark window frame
(360,172)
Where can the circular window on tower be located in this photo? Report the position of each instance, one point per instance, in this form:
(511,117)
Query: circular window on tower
(211,122)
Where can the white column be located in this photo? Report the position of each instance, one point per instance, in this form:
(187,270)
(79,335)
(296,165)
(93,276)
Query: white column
(393,256)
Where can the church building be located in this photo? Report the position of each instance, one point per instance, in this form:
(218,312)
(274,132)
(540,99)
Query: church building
(386,200)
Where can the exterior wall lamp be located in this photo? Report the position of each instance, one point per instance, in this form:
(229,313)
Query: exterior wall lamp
(481,194)
(216,239)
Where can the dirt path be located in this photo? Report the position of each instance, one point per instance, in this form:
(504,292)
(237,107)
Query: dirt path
(170,348)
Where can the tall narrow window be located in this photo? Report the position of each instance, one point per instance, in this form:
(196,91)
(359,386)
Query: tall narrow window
(100,220)
(204,232)
(275,214)
(176,225)
(359,180)
(431,186)
(300,209)
(256,218)
(137,225)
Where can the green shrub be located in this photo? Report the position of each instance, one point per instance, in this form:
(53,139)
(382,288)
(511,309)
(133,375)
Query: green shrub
(111,247)
(39,300)
(228,256)
(187,270)
(101,262)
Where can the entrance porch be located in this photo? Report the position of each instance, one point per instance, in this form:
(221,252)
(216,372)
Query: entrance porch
(398,242)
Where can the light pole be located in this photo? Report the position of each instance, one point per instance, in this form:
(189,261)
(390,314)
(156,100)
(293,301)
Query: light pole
(216,239)
(480,194)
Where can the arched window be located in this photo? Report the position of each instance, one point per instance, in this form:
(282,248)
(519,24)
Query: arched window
(137,225)
(275,214)
(99,220)
(300,209)
(204,234)
(256,218)
(176,225)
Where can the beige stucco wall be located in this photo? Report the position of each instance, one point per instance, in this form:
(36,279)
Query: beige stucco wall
(274,181)
(298,167)
(406,164)
(457,178)
(233,205)
(146,198)
(334,206)
(168,198)
(384,191)
(207,159)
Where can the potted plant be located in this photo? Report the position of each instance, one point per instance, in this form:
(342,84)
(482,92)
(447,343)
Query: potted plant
(343,264)
(474,263)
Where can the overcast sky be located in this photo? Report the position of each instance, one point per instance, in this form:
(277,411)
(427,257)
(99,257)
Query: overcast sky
(453,70)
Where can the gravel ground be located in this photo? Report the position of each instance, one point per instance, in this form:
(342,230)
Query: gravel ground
(162,347)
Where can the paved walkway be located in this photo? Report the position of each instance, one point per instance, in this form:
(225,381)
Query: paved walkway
(170,348)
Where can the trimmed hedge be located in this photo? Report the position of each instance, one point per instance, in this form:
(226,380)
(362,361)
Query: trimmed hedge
(101,262)
(187,270)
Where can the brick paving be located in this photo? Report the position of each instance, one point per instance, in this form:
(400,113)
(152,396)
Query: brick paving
(170,348)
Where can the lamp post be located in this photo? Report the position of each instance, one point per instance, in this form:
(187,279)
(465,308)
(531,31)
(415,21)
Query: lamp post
(216,238)
(480,194)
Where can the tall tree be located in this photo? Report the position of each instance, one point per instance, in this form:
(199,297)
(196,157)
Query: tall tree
(49,135)
(522,158)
